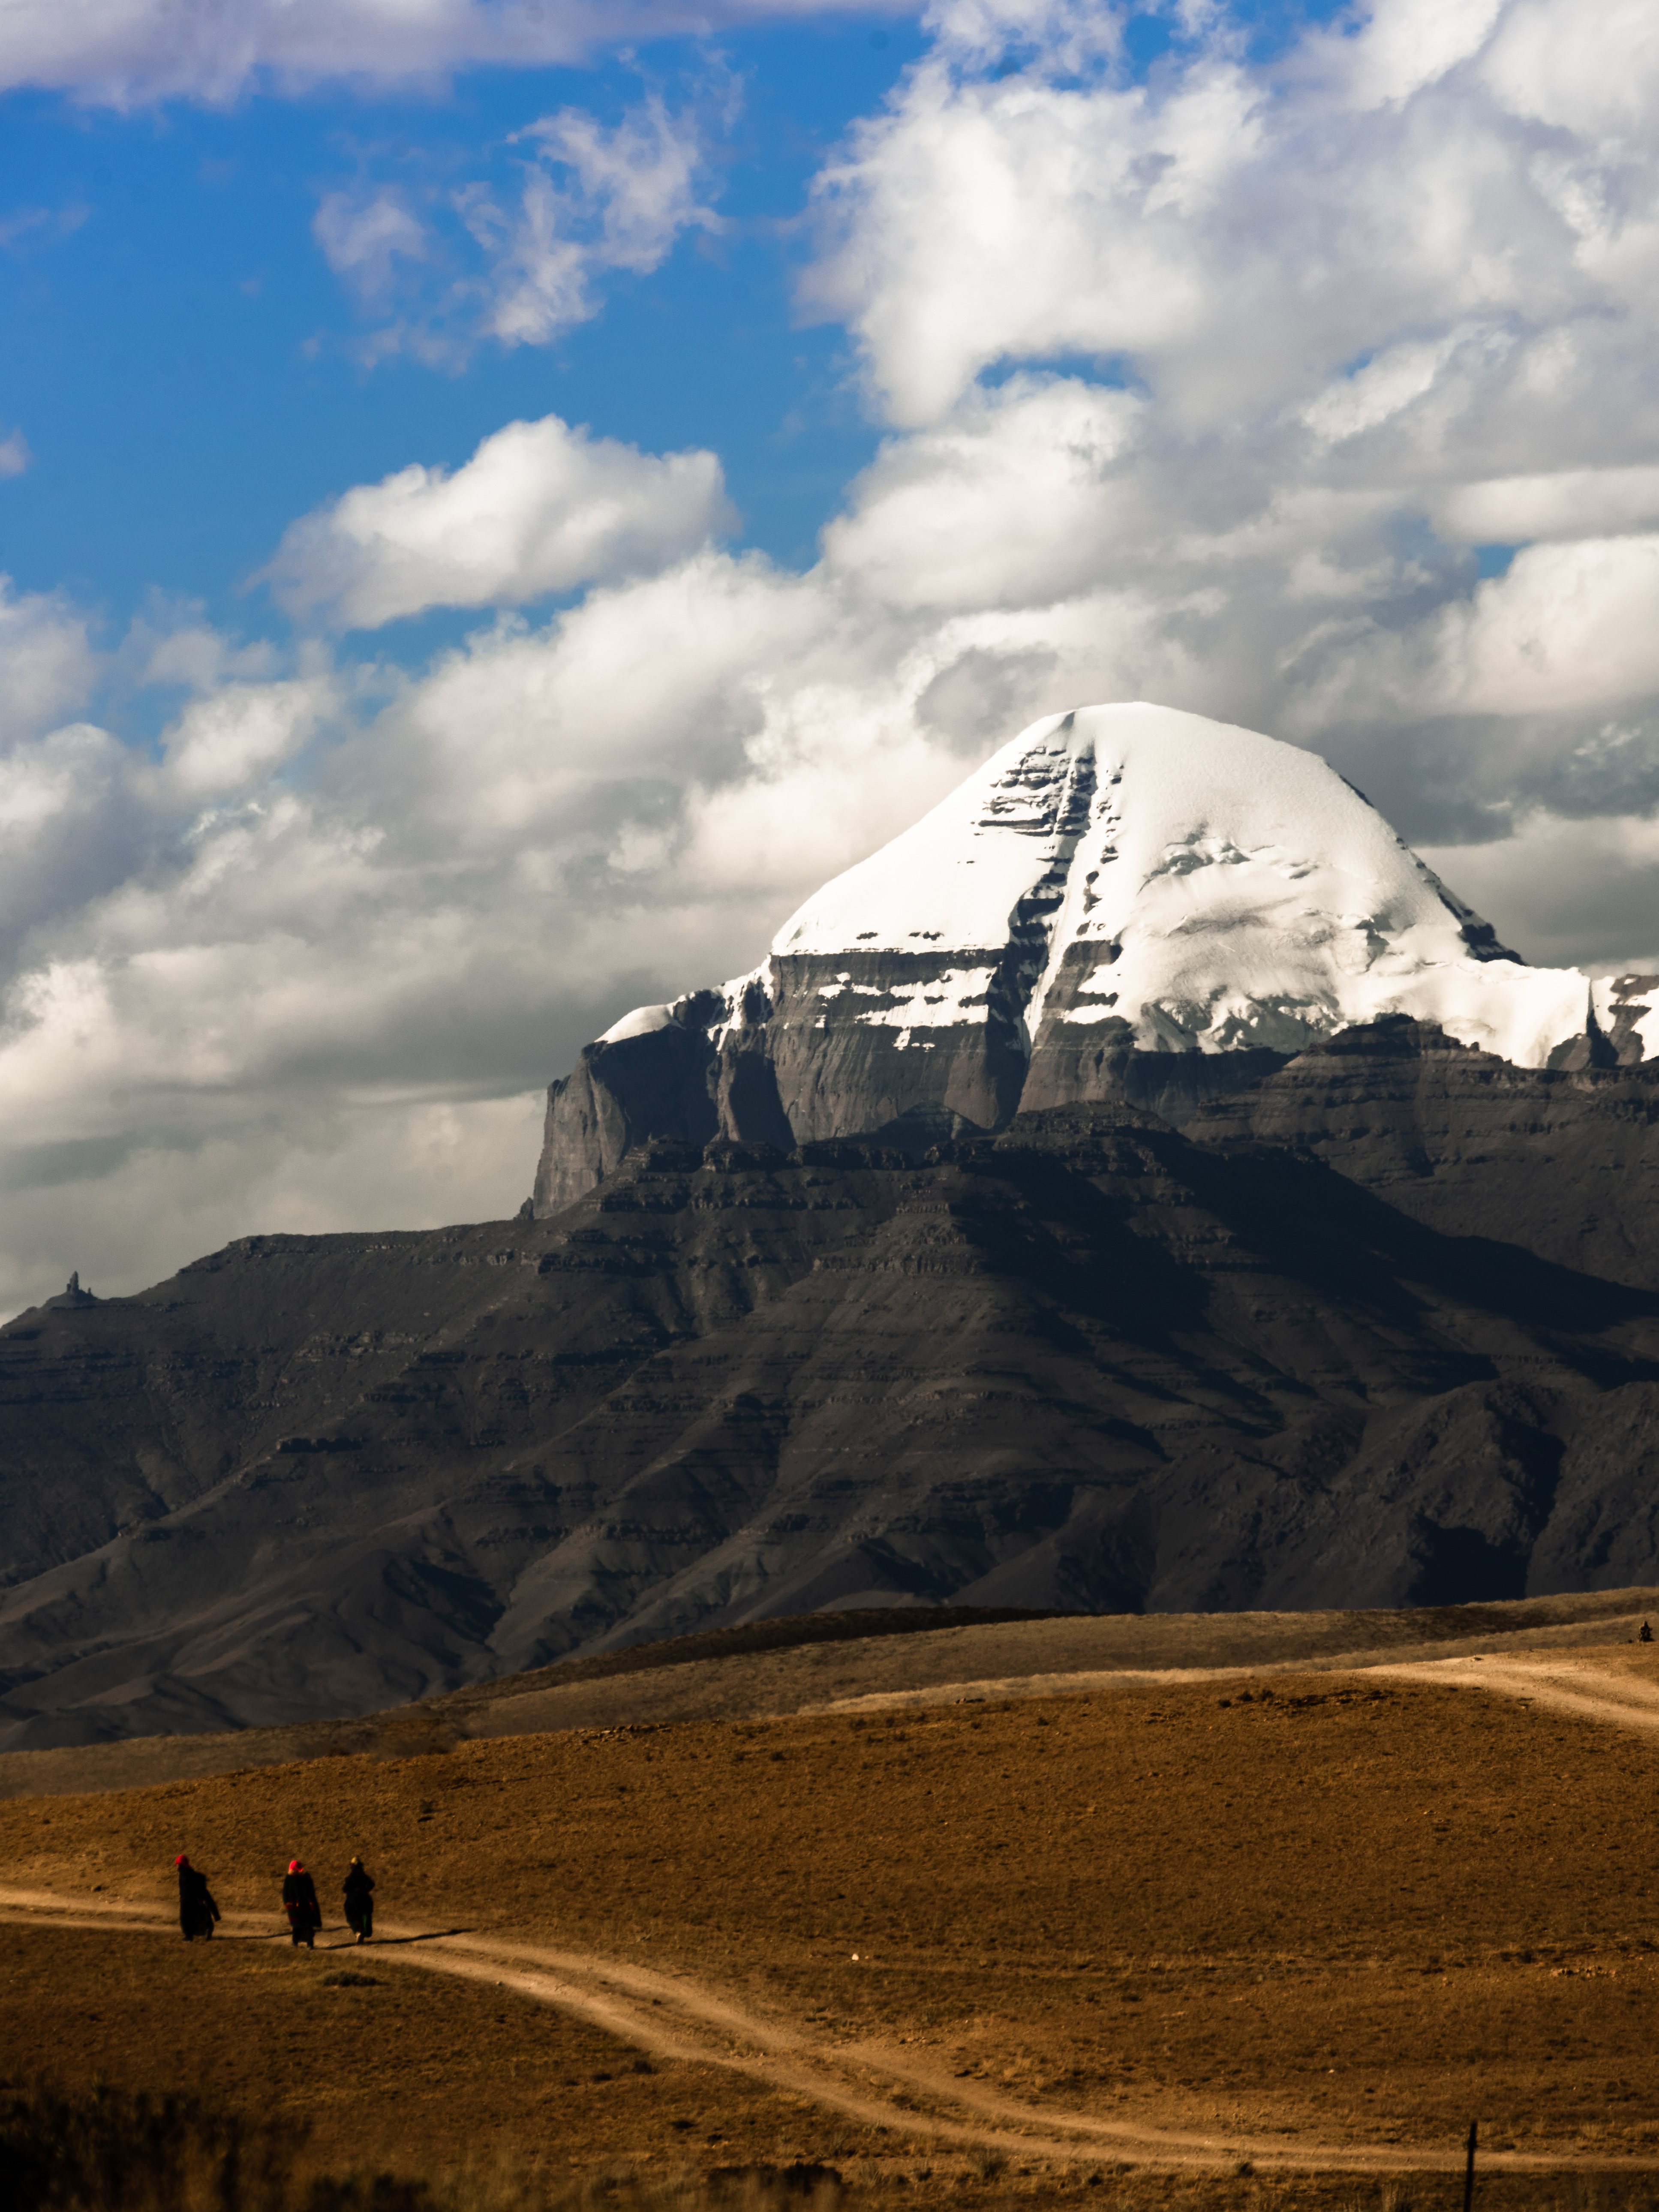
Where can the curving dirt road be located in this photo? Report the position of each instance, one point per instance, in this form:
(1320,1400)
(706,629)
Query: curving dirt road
(676,2016)
(884,2084)
(1563,1686)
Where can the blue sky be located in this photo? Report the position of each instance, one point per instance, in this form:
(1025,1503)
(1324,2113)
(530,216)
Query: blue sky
(182,361)
(886,379)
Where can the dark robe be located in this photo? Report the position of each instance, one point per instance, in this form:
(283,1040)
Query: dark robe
(196,1909)
(299,1903)
(359,1887)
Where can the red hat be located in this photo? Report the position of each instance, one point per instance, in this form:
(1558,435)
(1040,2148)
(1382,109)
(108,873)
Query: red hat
(183,1859)
(294,1867)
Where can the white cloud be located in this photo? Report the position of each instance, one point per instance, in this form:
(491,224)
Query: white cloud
(68,828)
(1243,240)
(615,199)
(1355,320)
(1021,497)
(520,256)
(1017,219)
(47,663)
(365,237)
(1590,70)
(128,53)
(1572,504)
(539,507)
(240,734)
(15,454)
(1570,629)
(1408,45)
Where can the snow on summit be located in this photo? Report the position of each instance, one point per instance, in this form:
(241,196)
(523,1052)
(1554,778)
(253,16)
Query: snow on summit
(1114,906)
(1210,887)
(1135,876)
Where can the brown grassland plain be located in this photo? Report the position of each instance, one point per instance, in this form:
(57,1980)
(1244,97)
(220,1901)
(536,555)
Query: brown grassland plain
(1311,1910)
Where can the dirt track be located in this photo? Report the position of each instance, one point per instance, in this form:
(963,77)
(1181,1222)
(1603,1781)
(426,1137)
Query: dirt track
(1074,1656)
(703,2026)
(678,2016)
(907,1816)
(1573,1684)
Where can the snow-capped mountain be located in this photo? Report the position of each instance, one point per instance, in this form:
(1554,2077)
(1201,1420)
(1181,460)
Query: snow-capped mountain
(1124,900)
(1378,1325)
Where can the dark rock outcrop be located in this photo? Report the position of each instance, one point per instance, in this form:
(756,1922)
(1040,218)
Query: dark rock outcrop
(1562,1162)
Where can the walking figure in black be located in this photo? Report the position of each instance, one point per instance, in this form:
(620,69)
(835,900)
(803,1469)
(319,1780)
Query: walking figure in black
(196,1909)
(1646,1636)
(359,1887)
(305,1915)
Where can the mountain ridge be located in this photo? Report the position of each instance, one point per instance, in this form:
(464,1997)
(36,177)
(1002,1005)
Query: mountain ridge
(1124,902)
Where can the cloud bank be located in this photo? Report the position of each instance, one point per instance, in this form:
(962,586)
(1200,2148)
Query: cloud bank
(1209,390)
(128,53)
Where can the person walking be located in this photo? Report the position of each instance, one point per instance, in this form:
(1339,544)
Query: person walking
(359,1887)
(196,1909)
(305,1915)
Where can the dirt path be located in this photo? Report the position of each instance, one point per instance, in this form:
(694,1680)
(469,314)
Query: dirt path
(896,2086)
(1563,1686)
(677,2016)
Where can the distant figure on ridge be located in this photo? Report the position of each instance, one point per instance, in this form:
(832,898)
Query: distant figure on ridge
(1646,1637)
(305,1915)
(196,1909)
(359,1887)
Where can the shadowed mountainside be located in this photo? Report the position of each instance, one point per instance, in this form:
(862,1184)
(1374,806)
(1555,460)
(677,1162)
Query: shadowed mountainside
(1088,1364)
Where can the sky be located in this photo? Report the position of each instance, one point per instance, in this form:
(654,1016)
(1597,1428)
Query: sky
(498,502)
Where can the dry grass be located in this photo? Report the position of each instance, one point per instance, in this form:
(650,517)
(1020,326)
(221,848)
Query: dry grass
(121,2151)
(667,1683)
(1341,1913)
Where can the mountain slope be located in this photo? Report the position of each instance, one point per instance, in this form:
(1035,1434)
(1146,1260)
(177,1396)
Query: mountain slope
(1124,902)
(1089,1362)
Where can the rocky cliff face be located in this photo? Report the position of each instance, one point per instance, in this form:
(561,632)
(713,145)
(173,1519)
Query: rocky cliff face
(1389,1333)
(1563,1161)
(1125,902)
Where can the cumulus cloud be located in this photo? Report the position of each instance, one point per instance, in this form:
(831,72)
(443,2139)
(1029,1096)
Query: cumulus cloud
(1243,238)
(69,830)
(127,52)
(539,507)
(1570,504)
(15,454)
(240,734)
(1204,390)
(47,663)
(1570,629)
(1022,497)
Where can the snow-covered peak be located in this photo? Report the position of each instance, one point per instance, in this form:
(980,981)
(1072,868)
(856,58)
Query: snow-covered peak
(1222,889)
(1159,819)
(1158,879)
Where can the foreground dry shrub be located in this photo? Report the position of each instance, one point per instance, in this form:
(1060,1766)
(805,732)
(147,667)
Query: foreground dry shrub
(110,2152)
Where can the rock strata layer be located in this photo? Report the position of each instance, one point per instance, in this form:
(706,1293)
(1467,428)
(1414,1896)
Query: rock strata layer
(1125,902)
(1384,1332)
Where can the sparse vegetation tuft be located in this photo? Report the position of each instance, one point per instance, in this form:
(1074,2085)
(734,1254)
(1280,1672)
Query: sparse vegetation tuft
(108,2152)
